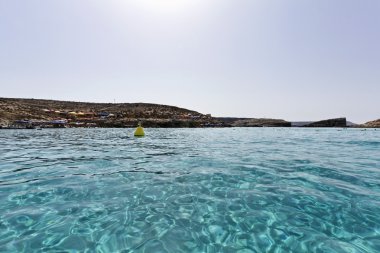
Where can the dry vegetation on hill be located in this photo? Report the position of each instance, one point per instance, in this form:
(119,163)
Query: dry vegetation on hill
(372,124)
(99,114)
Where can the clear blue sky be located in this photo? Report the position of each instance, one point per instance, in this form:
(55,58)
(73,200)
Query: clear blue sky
(290,59)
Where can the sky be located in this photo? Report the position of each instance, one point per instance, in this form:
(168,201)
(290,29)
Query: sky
(290,59)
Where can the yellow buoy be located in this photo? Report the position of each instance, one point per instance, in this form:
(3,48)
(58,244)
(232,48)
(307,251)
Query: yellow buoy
(139,131)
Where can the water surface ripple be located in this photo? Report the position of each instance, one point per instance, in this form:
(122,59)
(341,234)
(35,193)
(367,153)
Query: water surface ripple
(190,190)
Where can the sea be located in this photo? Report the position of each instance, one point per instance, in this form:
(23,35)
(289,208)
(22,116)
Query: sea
(277,190)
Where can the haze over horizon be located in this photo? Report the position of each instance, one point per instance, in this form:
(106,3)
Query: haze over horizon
(295,60)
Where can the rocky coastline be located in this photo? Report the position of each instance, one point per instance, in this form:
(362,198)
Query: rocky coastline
(32,113)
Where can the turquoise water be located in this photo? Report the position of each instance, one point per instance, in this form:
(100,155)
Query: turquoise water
(190,190)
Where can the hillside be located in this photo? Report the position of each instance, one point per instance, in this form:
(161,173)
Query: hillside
(372,124)
(39,111)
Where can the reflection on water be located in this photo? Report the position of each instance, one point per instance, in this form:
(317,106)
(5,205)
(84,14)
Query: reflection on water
(190,190)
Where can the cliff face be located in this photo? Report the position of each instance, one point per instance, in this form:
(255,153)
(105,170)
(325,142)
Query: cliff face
(339,122)
(372,124)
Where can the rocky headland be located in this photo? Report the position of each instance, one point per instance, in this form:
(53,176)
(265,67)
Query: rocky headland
(372,124)
(52,113)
